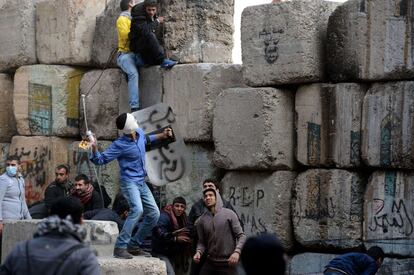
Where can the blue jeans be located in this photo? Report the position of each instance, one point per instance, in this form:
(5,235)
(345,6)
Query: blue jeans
(141,201)
(130,63)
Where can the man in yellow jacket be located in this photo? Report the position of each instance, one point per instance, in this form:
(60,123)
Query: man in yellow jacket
(127,60)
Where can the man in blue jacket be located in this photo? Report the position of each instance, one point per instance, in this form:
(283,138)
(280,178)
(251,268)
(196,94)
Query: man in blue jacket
(356,263)
(129,150)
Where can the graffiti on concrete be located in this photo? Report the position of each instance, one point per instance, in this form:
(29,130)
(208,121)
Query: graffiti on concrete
(72,106)
(271,41)
(34,170)
(314,143)
(40,109)
(248,201)
(396,217)
(355,148)
(166,162)
(385,149)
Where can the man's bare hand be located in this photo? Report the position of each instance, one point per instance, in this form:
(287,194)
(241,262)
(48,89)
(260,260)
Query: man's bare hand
(234,259)
(183,230)
(183,239)
(161,19)
(1,228)
(168,132)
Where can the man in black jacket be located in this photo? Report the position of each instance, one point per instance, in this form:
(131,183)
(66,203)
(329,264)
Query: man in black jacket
(57,246)
(196,211)
(60,187)
(143,39)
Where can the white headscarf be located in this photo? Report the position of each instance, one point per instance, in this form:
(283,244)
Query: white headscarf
(131,125)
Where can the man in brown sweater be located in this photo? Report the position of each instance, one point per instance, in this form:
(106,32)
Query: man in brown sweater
(221,234)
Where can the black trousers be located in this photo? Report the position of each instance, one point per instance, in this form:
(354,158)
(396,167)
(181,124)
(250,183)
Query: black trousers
(150,49)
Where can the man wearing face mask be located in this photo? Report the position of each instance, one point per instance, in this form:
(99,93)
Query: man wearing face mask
(129,150)
(12,196)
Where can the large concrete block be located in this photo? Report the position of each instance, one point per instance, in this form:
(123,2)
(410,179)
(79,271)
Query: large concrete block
(105,38)
(137,265)
(198,31)
(39,156)
(371,40)
(17,34)
(327,209)
(46,100)
(7,122)
(202,168)
(4,153)
(309,263)
(329,124)
(262,201)
(65,29)
(285,43)
(389,212)
(108,174)
(101,235)
(102,90)
(253,129)
(151,88)
(388,125)
(397,267)
(191,91)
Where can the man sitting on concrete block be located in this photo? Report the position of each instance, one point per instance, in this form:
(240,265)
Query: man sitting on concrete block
(130,61)
(57,247)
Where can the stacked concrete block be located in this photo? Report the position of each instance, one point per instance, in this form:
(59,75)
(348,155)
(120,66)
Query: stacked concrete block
(46,100)
(191,91)
(253,129)
(105,37)
(107,175)
(7,122)
(329,124)
(65,30)
(389,212)
(151,89)
(371,40)
(198,31)
(17,34)
(328,209)
(388,126)
(262,201)
(39,155)
(137,265)
(102,90)
(202,167)
(285,43)
(309,263)
(101,235)
(4,153)
(397,266)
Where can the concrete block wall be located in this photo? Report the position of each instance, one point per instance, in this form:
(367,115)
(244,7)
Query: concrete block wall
(313,150)
(349,67)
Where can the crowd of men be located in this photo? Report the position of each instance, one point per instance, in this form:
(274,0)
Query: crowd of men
(210,240)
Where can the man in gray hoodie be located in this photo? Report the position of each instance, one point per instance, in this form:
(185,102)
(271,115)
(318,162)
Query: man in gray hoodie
(12,196)
(220,233)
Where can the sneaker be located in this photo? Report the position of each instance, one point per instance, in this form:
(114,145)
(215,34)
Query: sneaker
(122,253)
(137,251)
(168,63)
